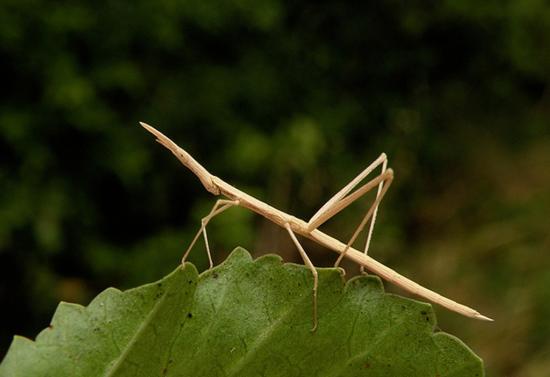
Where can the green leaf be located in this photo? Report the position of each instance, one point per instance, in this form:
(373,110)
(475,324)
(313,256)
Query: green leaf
(244,318)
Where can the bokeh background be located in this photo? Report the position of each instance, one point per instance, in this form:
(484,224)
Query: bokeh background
(288,100)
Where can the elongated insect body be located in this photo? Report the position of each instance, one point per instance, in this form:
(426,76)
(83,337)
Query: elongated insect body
(236,197)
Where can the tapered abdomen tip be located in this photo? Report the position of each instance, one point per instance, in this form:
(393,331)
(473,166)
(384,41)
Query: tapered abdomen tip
(483,318)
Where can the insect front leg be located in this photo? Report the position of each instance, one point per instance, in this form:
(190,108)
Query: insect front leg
(220,206)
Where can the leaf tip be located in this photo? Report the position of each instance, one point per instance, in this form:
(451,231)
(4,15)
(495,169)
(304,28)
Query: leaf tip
(240,254)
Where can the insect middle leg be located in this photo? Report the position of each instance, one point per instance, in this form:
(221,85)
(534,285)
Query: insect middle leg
(310,265)
(220,206)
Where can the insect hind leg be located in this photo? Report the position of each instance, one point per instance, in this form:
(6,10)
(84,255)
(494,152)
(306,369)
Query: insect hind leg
(374,214)
(371,212)
(343,198)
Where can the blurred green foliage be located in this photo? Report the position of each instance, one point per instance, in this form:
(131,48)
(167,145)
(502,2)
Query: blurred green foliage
(288,100)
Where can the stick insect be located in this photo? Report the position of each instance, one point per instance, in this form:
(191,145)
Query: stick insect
(309,229)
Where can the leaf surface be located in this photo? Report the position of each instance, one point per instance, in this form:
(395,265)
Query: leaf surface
(244,318)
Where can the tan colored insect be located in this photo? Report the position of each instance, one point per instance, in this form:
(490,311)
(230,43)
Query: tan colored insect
(342,199)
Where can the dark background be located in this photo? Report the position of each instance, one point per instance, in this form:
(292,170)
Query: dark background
(289,101)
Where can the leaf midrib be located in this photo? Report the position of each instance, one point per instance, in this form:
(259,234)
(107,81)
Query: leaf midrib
(129,346)
(263,337)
